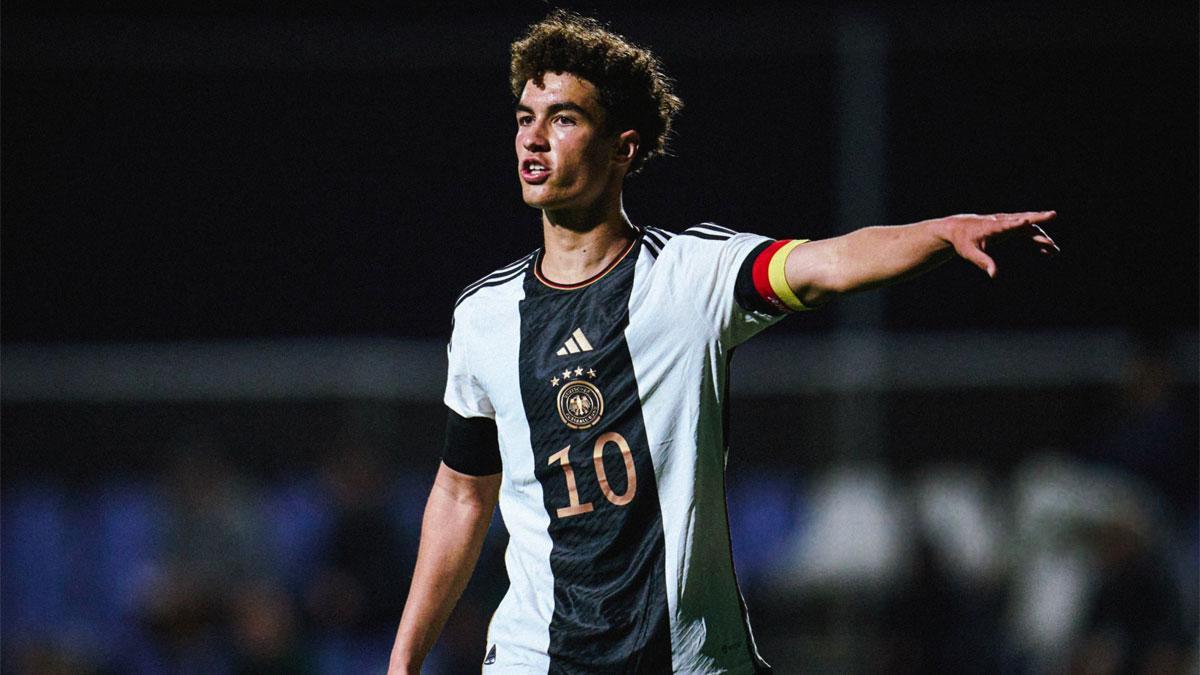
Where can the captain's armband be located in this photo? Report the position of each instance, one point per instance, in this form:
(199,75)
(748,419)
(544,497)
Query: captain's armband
(762,281)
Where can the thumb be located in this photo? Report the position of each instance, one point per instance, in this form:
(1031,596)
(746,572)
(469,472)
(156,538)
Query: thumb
(981,260)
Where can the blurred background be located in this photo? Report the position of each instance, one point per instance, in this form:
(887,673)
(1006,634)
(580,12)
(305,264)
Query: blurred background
(232,239)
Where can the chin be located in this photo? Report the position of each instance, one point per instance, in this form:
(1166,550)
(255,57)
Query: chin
(552,198)
(540,200)
(534,202)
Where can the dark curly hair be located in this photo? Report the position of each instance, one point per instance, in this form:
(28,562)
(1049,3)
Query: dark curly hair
(632,88)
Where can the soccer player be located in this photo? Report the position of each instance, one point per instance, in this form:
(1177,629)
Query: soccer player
(587,380)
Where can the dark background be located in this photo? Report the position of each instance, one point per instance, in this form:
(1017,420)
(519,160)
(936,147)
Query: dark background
(197,196)
(188,172)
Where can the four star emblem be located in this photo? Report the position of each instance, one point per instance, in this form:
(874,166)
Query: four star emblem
(566,375)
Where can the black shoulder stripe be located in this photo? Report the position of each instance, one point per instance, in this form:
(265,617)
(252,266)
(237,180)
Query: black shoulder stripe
(701,234)
(665,235)
(716,228)
(651,247)
(491,282)
(707,229)
(503,271)
(657,239)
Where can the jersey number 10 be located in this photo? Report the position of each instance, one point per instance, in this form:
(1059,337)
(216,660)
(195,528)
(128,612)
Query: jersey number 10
(562,458)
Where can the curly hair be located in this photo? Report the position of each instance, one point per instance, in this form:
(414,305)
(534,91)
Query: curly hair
(631,86)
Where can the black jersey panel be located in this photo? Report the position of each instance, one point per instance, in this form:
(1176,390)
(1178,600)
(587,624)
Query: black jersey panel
(592,460)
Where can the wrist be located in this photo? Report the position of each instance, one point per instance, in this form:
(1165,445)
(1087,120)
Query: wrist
(404,664)
(941,229)
(405,658)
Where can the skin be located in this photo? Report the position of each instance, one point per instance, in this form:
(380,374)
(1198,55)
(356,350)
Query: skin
(456,520)
(819,271)
(583,223)
(585,228)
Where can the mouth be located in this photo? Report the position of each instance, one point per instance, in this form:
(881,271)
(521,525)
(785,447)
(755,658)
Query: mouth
(534,172)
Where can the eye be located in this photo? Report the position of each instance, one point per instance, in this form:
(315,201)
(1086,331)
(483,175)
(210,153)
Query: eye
(524,120)
(565,119)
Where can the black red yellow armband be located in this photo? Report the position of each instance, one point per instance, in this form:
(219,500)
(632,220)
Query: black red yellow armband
(762,281)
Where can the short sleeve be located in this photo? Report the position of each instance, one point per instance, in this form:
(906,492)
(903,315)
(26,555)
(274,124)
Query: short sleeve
(464,393)
(715,266)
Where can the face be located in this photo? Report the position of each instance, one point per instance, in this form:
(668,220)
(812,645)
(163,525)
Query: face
(564,158)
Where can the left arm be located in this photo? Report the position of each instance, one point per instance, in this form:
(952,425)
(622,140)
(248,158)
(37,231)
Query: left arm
(875,256)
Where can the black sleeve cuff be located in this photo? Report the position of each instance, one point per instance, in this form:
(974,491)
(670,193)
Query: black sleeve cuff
(471,445)
(743,288)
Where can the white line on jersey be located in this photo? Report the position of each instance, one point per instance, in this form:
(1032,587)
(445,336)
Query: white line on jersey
(575,344)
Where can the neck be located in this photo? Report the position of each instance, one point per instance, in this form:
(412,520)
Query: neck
(581,244)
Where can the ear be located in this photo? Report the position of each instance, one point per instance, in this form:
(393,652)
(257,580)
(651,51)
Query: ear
(626,147)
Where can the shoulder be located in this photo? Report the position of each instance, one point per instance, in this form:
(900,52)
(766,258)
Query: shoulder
(709,232)
(657,239)
(705,239)
(500,281)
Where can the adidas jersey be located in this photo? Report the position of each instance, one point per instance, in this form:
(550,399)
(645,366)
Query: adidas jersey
(607,399)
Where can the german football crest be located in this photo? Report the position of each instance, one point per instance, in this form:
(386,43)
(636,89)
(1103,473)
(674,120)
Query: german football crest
(580,403)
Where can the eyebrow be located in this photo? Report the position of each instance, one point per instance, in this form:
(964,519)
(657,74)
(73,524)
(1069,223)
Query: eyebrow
(557,107)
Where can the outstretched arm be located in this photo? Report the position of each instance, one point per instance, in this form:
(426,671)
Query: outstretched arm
(875,256)
(456,519)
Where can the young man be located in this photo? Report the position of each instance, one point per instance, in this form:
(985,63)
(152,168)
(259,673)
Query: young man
(586,384)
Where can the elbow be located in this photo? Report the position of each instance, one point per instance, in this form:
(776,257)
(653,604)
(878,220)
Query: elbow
(815,296)
(820,285)
(476,493)
(814,273)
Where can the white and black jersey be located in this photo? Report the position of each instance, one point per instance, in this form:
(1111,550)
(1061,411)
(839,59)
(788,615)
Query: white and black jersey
(602,403)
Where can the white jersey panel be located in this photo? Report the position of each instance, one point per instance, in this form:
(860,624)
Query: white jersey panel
(464,394)
(682,318)
(519,629)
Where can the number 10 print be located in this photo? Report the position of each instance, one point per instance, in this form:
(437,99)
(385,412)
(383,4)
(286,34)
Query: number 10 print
(575,508)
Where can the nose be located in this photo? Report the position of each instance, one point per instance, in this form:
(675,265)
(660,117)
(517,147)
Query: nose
(533,140)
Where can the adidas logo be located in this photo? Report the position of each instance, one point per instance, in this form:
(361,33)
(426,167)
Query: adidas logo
(491,656)
(575,344)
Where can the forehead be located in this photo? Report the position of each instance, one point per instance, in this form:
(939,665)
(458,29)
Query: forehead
(560,88)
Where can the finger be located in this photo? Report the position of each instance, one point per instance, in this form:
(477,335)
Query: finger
(1042,238)
(1032,216)
(1013,221)
(1006,224)
(981,260)
(1046,244)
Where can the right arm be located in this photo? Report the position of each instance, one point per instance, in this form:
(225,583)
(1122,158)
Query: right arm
(456,520)
(874,256)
